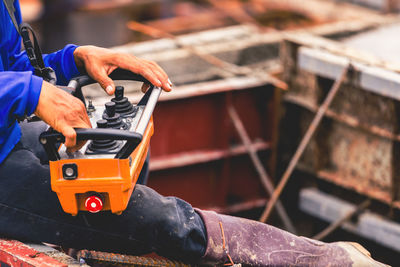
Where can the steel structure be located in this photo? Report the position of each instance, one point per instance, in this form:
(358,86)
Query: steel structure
(357,145)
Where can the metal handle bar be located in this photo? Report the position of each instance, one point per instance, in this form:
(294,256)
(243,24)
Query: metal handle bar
(148,110)
(51,137)
(149,100)
(92,134)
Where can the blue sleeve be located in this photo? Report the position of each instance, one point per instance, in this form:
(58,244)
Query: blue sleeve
(20,89)
(19,95)
(62,62)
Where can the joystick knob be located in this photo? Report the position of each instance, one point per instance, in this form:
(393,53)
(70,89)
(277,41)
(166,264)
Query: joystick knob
(113,118)
(122,104)
(110,109)
(101,124)
(119,92)
(102,146)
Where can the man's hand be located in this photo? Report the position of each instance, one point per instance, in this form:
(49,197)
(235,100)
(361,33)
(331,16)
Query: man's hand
(100,62)
(63,112)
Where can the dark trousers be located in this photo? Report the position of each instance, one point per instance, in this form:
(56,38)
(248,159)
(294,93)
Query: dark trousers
(30,211)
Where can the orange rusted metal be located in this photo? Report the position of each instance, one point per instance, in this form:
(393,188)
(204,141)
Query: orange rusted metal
(305,141)
(357,146)
(14,253)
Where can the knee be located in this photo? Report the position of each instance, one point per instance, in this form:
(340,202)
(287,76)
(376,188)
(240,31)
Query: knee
(155,208)
(170,217)
(170,224)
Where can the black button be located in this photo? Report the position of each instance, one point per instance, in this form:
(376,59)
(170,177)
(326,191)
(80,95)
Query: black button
(70,171)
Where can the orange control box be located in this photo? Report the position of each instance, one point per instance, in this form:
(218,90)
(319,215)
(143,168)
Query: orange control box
(102,174)
(101,183)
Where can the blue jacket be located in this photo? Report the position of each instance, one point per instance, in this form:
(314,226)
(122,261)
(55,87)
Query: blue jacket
(19,88)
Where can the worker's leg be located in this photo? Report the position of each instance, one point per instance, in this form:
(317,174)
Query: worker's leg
(29,210)
(30,139)
(227,238)
(237,240)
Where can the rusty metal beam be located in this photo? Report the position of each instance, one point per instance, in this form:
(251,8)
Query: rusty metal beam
(304,142)
(197,157)
(347,119)
(15,253)
(341,180)
(115,259)
(264,177)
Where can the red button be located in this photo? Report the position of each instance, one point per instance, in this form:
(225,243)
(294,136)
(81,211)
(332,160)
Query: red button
(93,204)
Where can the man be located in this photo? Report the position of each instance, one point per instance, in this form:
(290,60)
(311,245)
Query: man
(29,210)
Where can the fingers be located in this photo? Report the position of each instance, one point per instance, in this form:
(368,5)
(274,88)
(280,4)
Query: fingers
(71,141)
(100,62)
(69,132)
(155,75)
(148,69)
(70,136)
(75,148)
(162,76)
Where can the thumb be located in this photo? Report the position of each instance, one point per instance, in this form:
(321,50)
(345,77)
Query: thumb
(70,136)
(108,85)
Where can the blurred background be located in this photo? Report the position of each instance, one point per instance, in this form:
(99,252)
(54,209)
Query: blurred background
(104,22)
(274,62)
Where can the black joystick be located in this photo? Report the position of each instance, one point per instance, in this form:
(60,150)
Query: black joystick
(102,146)
(113,119)
(123,106)
(102,124)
